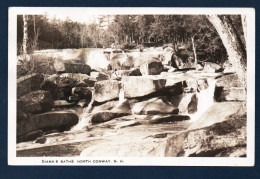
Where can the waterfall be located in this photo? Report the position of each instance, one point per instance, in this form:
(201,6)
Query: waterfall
(205,99)
(97,60)
(121,96)
(84,120)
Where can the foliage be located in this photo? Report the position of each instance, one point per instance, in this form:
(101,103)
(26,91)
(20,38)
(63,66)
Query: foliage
(128,31)
(36,64)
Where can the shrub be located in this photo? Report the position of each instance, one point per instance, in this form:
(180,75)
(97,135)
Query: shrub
(37,64)
(127,46)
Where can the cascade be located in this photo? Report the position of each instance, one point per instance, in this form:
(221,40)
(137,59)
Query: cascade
(205,99)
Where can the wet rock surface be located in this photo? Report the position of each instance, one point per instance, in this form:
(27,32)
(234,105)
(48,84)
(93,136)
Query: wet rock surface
(224,139)
(133,105)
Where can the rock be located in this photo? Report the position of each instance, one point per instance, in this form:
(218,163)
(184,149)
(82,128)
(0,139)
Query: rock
(128,64)
(228,68)
(140,86)
(36,102)
(122,107)
(29,136)
(191,85)
(216,140)
(21,71)
(202,84)
(77,79)
(233,94)
(154,106)
(103,107)
(99,76)
(211,67)
(151,67)
(172,69)
(216,114)
(74,98)
(29,83)
(40,140)
(48,121)
(51,78)
(52,88)
(170,49)
(68,67)
(105,116)
(21,115)
(82,92)
(117,60)
(194,85)
(131,72)
(158,119)
(229,80)
(83,103)
(199,67)
(106,90)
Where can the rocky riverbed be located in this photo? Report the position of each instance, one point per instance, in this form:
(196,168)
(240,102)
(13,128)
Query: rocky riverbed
(136,105)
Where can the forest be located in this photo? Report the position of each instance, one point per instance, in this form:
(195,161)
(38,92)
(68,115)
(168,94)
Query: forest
(126,31)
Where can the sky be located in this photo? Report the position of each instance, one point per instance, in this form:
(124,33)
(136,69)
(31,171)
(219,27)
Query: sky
(75,15)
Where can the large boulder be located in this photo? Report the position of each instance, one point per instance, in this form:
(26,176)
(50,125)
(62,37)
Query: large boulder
(105,116)
(154,106)
(106,90)
(232,94)
(99,76)
(138,86)
(151,67)
(35,102)
(131,72)
(223,139)
(29,136)
(48,121)
(159,119)
(29,83)
(68,67)
(82,92)
(78,79)
(117,61)
(50,86)
(228,80)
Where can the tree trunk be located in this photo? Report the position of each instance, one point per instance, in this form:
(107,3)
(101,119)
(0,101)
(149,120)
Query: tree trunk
(244,24)
(25,34)
(231,41)
(194,51)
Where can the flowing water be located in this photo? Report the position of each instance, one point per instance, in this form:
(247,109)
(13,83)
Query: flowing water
(85,134)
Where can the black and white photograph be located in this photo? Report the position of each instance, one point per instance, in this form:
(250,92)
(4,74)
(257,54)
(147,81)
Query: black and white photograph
(131,86)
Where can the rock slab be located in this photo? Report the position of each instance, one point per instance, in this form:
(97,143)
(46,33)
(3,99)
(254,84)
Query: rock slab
(29,83)
(35,102)
(48,121)
(106,90)
(151,67)
(68,67)
(140,86)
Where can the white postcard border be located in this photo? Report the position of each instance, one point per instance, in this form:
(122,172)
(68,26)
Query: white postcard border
(130,161)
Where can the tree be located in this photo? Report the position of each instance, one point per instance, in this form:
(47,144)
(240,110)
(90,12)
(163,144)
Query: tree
(25,34)
(232,43)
